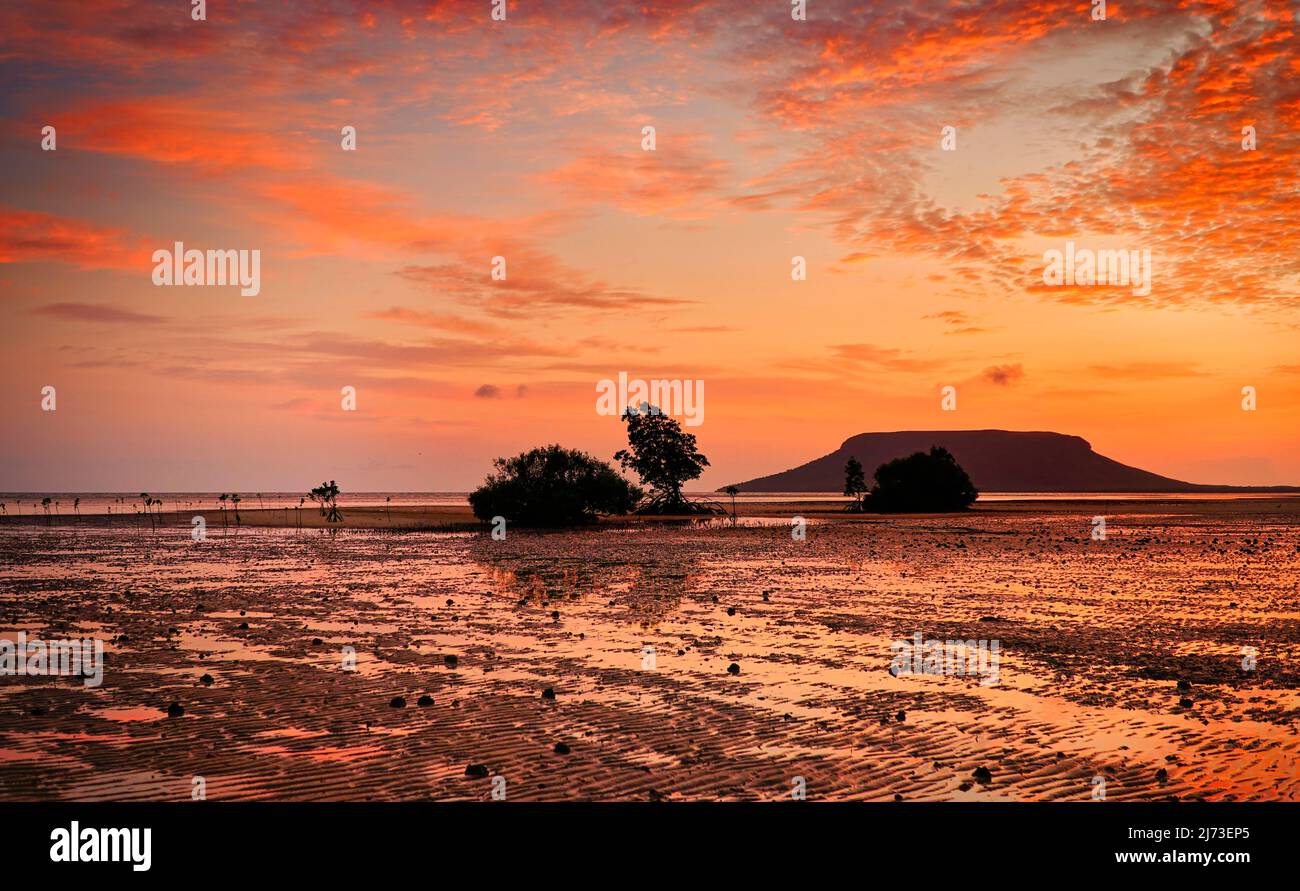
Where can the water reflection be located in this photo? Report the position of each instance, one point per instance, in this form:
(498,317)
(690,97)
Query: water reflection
(642,585)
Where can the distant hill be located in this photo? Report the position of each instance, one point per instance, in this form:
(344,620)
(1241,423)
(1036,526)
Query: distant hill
(997,461)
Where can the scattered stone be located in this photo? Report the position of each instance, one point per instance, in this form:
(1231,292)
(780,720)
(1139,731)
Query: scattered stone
(898,796)
(243,626)
(965,787)
(449,660)
(478,771)
(1185,702)
(316,641)
(548,693)
(175,710)
(1162,776)
(562,748)
(206,680)
(424,701)
(901,717)
(1184,686)
(731,610)
(733,668)
(983,774)
(398,702)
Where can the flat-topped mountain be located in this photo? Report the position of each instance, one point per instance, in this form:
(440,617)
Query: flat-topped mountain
(997,461)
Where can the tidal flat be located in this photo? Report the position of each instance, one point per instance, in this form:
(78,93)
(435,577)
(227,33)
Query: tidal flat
(657,661)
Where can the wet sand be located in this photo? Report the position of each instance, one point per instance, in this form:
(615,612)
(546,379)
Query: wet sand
(1095,637)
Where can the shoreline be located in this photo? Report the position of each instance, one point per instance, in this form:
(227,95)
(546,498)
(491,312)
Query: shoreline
(441,517)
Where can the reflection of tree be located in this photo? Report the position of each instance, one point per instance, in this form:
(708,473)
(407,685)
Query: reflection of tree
(644,586)
(657,590)
(539,583)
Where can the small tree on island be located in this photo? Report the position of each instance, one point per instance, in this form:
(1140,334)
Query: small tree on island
(733,491)
(326,495)
(665,458)
(553,486)
(922,482)
(855,482)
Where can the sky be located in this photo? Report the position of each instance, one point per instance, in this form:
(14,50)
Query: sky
(774,138)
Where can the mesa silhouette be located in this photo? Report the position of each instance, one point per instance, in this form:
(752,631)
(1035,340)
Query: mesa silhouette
(997,461)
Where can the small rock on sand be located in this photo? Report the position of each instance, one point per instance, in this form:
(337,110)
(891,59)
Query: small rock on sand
(548,693)
(733,668)
(562,748)
(206,680)
(175,710)
(397,702)
(476,770)
(983,774)
(424,701)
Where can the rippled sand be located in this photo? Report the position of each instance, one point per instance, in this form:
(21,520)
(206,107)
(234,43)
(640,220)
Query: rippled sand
(1094,637)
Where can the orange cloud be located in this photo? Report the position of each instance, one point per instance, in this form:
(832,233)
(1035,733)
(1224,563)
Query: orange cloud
(34,237)
(677,179)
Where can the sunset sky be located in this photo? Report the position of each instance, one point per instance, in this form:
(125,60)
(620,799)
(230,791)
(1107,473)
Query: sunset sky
(522,138)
